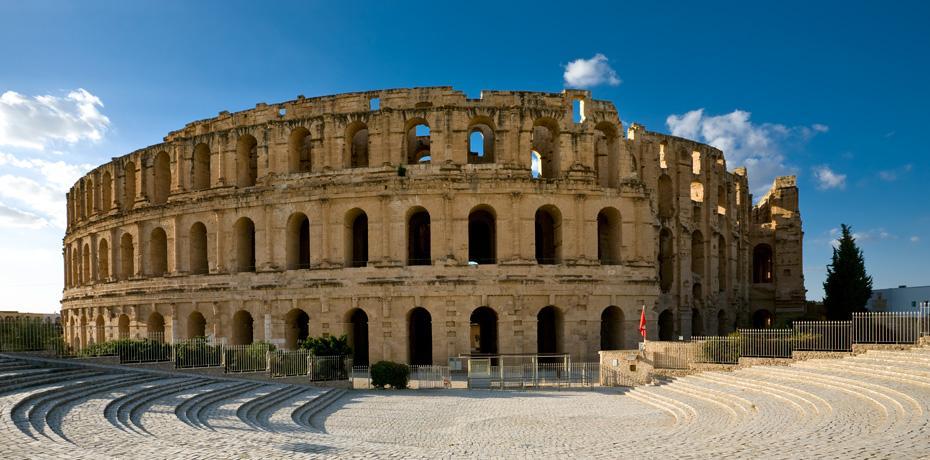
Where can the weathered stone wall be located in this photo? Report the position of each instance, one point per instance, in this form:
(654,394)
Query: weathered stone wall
(257,212)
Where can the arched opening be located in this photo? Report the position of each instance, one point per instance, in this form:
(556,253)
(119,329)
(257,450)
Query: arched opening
(200,167)
(762,319)
(608,236)
(697,254)
(100,328)
(158,252)
(297,328)
(358,336)
(721,199)
(88,198)
(482,236)
(483,331)
(418,142)
(246,161)
(85,264)
(420,336)
(242,328)
(123,327)
(697,192)
(103,260)
(298,151)
(245,245)
(548,236)
(549,330)
(197,239)
(357,145)
(106,191)
(722,259)
(129,185)
(155,327)
(663,161)
(762,266)
(666,260)
(127,257)
(196,325)
(481,142)
(297,244)
(666,197)
(696,163)
(666,325)
(356,243)
(697,293)
(612,328)
(162,182)
(546,146)
(418,238)
(697,323)
(606,161)
(723,327)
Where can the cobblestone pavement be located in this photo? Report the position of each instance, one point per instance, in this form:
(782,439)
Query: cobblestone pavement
(875,405)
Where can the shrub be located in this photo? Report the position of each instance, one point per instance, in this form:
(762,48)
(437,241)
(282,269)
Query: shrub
(390,373)
(327,346)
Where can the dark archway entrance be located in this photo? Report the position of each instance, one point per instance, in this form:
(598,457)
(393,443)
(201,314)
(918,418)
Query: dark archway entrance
(762,319)
(549,330)
(612,328)
(298,328)
(420,336)
(242,333)
(667,325)
(483,324)
(358,337)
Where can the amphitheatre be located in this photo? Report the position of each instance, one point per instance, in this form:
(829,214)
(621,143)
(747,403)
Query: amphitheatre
(504,247)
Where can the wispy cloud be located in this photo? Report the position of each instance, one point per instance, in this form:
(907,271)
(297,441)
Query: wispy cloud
(915,239)
(39,121)
(758,146)
(585,73)
(891,175)
(863,236)
(828,179)
(37,187)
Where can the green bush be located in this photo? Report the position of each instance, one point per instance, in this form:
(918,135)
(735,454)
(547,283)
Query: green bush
(390,373)
(327,346)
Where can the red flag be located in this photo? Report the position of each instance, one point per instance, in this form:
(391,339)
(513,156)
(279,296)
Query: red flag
(642,323)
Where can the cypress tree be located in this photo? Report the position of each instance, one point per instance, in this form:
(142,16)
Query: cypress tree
(847,288)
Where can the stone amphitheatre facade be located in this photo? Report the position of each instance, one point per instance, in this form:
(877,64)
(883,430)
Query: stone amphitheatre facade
(424,224)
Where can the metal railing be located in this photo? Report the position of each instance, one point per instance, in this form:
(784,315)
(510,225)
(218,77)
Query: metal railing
(888,327)
(198,352)
(429,376)
(765,343)
(671,355)
(716,349)
(246,358)
(30,334)
(328,368)
(823,336)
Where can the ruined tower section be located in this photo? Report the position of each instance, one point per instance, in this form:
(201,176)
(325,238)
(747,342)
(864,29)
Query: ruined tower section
(776,271)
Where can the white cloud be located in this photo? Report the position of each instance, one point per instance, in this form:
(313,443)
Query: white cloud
(915,239)
(828,178)
(585,73)
(38,188)
(759,147)
(864,236)
(891,175)
(16,218)
(37,122)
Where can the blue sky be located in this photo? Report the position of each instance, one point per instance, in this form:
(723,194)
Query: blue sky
(836,93)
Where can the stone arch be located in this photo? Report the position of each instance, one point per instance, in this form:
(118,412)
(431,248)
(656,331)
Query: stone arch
(697,294)
(100,329)
(158,252)
(721,199)
(123,327)
(606,157)
(417,141)
(200,167)
(612,328)
(697,192)
(246,161)
(482,235)
(418,237)
(103,259)
(85,264)
(762,319)
(296,328)
(763,270)
(722,260)
(420,336)
(297,244)
(608,236)
(549,325)
(244,230)
(357,332)
(196,325)
(697,253)
(198,258)
(127,256)
(545,144)
(356,139)
(155,327)
(481,140)
(548,235)
(88,189)
(723,325)
(298,151)
(666,197)
(161,169)
(696,163)
(666,259)
(243,328)
(666,325)
(483,331)
(697,322)
(106,191)
(129,185)
(356,238)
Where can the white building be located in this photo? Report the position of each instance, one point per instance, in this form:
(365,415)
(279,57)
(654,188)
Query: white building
(901,298)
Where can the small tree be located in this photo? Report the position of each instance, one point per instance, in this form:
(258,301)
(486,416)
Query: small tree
(327,346)
(847,288)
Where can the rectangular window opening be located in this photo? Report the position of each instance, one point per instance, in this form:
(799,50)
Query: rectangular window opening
(374,103)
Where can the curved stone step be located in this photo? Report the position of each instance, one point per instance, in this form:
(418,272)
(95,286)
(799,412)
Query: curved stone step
(255,412)
(194,410)
(63,403)
(303,415)
(123,412)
